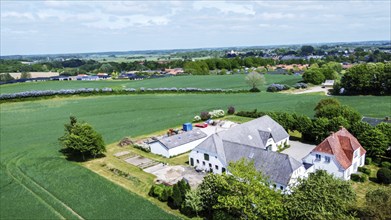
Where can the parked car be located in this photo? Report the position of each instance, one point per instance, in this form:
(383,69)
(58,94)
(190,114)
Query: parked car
(203,125)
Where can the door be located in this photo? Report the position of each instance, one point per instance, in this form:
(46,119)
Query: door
(192,162)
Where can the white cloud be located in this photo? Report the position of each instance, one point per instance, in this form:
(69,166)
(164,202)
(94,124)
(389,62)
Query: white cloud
(18,15)
(225,7)
(272,16)
(122,22)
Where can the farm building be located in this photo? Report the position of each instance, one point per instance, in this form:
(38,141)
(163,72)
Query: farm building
(255,140)
(339,154)
(258,140)
(177,144)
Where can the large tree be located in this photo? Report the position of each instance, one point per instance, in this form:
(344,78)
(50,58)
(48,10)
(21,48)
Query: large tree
(80,141)
(320,196)
(374,141)
(243,195)
(254,80)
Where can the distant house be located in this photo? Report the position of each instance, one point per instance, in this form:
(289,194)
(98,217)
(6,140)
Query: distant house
(174,71)
(339,154)
(61,78)
(255,140)
(328,83)
(103,75)
(85,77)
(375,121)
(177,144)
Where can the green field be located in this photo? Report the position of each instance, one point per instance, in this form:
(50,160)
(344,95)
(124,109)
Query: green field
(223,82)
(35,180)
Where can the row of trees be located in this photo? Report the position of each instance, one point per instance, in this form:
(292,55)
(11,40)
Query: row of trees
(366,79)
(246,194)
(317,74)
(330,114)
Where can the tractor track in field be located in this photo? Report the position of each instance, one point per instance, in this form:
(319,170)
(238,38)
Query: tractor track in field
(37,190)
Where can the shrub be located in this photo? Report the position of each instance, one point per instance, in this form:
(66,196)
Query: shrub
(359,177)
(368,161)
(160,192)
(386,165)
(255,90)
(231,110)
(277,87)
(205,116)
(365,170)
(217,113)
(301,85)
(384,175)
(196,118)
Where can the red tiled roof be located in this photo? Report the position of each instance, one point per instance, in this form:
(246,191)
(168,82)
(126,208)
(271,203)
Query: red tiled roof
(341,144)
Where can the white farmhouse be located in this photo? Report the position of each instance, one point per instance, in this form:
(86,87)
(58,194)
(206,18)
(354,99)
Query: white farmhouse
(256,140)
(177,144)
(339,154)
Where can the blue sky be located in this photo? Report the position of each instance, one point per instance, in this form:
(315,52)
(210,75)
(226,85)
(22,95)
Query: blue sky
(47,27)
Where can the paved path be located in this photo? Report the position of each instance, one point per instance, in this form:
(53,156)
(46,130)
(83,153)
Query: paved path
(298,150)
(313,89)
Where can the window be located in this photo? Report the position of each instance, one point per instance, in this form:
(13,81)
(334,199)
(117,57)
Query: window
(206,157)
(281,187)
(223,169)
(210,165)
(356,153)
(217,167)
(198,161)
(191,162)
(327,159)
(203,163)
(318,157)
(274,186)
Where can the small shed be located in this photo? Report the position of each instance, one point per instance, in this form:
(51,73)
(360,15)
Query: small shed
(328,83)
(187,126)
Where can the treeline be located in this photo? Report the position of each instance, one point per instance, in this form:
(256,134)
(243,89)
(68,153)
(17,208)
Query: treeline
(366,79)
(317,74)
(247,194)
(330,115)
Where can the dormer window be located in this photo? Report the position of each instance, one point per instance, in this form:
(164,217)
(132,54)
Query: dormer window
(356,153)
(318,157)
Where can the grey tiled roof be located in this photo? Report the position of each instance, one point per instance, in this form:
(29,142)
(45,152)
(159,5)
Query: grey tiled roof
(256,132)
(183,138)
(248,141)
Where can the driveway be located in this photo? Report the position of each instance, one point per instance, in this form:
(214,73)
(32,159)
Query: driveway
(298,150)
(314,89)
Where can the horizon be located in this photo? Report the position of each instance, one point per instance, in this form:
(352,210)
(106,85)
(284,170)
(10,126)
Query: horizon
(72,27)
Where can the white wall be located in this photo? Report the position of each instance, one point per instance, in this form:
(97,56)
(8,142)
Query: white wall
(213,160)
(158,148)
(332,168)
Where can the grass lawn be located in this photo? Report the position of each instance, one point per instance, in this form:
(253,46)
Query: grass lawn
(37,182)
(209,81)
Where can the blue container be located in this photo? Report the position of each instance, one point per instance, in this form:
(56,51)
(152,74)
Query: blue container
(187,126)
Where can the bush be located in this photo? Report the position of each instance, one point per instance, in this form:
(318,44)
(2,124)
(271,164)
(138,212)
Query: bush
(231,110)
(255,90)
(365,170)
(359,177)
(368,161)
(277,87)
(386,165)
(301,85)
(205,116)
(196,118)
(160,192)
(384,175)
(217,113)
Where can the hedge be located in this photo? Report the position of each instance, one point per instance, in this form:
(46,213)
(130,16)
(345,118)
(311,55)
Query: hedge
(357,177)
(365,170)
(142,90)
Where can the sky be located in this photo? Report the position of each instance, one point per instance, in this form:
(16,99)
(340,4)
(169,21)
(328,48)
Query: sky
(54,27)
